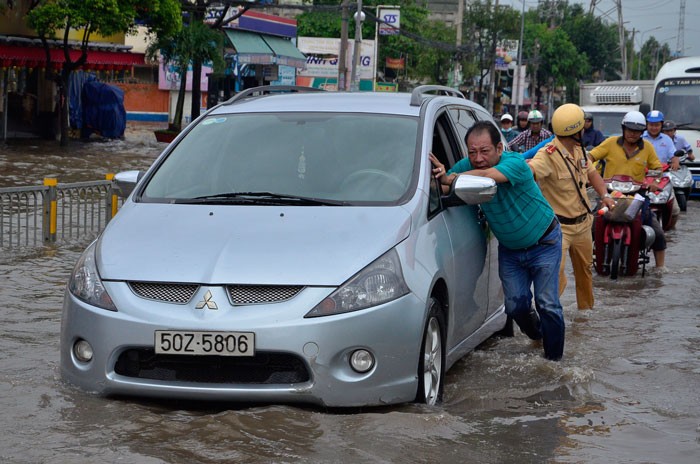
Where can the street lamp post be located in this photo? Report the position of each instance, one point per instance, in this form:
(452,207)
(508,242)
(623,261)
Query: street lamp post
(359,17)
(517,90)
(639,59)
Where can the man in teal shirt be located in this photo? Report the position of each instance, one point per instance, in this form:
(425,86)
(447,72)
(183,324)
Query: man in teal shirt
(529,236)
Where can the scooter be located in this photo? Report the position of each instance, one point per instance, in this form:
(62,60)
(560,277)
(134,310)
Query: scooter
(682,181)
(621,242)
(661,200)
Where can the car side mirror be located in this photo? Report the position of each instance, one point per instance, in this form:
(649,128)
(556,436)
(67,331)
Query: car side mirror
(472,190)
(125,182)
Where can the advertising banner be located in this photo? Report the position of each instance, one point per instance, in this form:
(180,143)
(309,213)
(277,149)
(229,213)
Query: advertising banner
(322,57)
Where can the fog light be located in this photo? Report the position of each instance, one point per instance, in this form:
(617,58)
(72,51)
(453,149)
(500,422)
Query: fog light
(82,351)
(361,361)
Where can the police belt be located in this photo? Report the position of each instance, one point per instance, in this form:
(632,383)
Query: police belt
(571,221)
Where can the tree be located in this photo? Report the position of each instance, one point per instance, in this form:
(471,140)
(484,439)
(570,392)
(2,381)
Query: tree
(427,45)
(195,41)
(50,18)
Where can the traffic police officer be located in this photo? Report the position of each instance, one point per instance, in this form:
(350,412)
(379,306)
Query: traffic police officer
(562,171)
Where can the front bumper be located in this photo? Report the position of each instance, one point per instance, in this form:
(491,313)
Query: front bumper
(392,332)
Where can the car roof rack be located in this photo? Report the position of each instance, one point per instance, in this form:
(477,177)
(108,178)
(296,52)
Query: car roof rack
(268,90)
(422,90)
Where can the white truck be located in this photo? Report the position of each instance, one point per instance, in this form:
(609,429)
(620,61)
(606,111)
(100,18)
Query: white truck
(609,101)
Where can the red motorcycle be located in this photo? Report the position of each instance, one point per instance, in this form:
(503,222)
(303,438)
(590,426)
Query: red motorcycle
(621,242)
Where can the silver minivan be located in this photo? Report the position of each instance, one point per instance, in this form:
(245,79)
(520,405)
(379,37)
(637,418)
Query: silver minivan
(292,245)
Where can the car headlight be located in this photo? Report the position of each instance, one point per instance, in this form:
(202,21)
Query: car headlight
(85,282)
(380,282)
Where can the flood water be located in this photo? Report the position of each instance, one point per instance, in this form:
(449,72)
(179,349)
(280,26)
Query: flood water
(627,390)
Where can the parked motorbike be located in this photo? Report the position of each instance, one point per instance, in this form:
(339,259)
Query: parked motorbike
(621,242)
(682,181)
(661,200)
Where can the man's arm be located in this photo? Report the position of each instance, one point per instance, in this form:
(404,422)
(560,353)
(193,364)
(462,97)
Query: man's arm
(491,173)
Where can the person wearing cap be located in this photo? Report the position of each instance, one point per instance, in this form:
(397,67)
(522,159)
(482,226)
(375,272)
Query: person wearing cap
(532,136)
(631,155)
(507,127)
(592,137)
(665,151)
(669,128)
(562,171)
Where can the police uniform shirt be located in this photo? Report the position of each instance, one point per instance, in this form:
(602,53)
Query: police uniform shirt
(553,166)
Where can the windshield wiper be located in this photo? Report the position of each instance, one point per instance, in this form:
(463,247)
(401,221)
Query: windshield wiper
(260,198)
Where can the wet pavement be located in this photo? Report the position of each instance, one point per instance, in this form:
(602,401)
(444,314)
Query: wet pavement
(628,389)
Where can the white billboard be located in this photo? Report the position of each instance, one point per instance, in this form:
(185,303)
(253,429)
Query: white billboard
(322,57)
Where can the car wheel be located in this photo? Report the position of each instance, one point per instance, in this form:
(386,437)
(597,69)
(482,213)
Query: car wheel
(431,365)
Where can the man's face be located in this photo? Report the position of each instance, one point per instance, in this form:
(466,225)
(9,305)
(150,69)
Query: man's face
(654,128)
(671,133)
(587,123)
(482,153)
(536,126)
(631,136)
(506,123)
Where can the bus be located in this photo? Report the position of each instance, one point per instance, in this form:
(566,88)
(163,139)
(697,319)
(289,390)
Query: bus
(677,96)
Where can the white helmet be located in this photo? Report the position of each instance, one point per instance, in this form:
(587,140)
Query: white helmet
(534,116)
(634,120)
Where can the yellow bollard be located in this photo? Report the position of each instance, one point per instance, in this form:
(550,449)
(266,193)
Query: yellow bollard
(50,234)
(115,199)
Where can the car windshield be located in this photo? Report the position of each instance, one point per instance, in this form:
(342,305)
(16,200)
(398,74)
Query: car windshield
(679,101)
(284,157)
(608,123)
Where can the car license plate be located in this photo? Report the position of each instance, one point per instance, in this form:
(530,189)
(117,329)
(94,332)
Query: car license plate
(205,343)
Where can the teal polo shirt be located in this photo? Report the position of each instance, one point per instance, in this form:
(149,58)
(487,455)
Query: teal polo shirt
(518,214)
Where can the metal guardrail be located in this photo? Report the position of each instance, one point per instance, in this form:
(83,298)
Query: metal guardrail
(41,215)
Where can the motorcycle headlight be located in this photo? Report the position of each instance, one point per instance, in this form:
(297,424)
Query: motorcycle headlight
(85,282)
(380,282)
(623,187)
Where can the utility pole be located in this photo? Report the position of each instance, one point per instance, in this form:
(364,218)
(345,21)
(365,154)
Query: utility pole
(457,71)
(342,67)
(680,43)
(492,70)
(623,45)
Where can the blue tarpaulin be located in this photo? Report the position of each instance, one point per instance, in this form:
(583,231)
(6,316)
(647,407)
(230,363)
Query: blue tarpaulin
(102,110)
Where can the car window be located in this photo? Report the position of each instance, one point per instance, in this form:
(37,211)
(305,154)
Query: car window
(343,157)
(463,119)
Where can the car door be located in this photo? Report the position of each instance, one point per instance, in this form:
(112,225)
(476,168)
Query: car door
(468,290)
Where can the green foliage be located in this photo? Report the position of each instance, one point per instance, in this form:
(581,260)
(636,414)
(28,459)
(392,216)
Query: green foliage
(54,18)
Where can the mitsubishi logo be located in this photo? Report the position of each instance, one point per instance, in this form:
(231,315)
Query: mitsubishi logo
(208,301)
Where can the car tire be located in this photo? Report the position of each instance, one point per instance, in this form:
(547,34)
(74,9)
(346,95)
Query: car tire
(431,361)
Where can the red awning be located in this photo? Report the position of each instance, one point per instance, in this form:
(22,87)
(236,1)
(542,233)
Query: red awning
(35,57)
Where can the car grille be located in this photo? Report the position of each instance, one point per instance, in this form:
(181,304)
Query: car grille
(263,368)
(258,294)
(170,293)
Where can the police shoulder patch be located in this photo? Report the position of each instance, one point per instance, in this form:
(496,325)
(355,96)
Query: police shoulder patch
(550,148)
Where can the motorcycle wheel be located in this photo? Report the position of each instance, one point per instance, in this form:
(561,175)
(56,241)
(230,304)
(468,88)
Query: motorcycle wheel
(615,260)
(682,200)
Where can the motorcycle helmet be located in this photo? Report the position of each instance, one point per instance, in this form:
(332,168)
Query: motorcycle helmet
(655,116)
(668,125)
(567,120)
(588,116)
(522,115)
(634,120)
(534,116)
(507,117)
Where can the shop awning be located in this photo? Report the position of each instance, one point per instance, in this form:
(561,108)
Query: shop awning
(32,57)
(285,51)
(254,48)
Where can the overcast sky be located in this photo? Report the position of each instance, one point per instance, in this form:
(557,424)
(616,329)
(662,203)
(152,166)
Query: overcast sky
(645,15)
